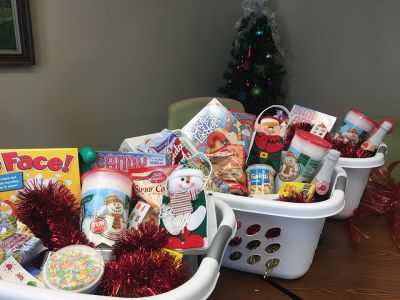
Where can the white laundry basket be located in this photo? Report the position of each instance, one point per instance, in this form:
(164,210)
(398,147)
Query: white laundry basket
(283,235)
(199,286)
(358,170)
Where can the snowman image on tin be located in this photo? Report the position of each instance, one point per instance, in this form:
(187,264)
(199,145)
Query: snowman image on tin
(112,211)
(184,211)
(105,224)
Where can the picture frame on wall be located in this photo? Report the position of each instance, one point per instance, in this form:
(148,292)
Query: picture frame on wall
(16,42)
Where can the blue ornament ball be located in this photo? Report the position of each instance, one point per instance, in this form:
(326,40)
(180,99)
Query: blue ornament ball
(242,96)
(259,32)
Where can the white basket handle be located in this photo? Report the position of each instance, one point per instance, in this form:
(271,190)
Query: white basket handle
(273,106)
(204,157)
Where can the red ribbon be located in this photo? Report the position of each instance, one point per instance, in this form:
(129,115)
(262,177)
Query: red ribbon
(381,196)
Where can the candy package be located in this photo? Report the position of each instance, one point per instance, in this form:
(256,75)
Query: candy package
(228,164)
(169,142)
(149,186)
(22,247)
(126,161)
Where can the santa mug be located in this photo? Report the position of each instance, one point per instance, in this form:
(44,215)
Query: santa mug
(105,200)
(302,159)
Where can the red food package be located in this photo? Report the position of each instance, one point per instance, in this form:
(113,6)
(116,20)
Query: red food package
(228,164)
(150,185)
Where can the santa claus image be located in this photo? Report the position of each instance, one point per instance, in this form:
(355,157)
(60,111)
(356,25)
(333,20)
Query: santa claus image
(268,143)
(349,137)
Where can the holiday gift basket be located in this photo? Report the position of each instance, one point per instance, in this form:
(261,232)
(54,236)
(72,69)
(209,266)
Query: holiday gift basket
(129,223)
(279,239)
(199,286)
(358,170)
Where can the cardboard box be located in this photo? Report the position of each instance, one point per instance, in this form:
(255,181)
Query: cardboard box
(21,166)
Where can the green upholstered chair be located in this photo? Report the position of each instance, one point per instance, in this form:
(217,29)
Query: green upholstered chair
(181,112)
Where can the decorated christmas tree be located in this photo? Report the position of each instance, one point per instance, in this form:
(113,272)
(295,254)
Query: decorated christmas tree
(255,75)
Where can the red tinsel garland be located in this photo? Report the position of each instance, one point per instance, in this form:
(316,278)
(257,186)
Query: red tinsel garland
(140,267)
(291,130)
(348,150)
(52,213)
(381,196)
(296,197)
(147,236)
(142,273)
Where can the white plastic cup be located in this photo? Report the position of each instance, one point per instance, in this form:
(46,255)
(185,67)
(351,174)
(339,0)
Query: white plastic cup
(260,180)
(105,200)
(75,268)
(305,154)
(355,128)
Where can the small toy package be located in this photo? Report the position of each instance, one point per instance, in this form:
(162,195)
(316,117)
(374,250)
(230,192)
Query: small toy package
(296,187)
(246,119)
(149,186)
(22,247)
(228,164)
(300,114)
(19,167)
(12,271)
(214,127)
(127,161)
(173,143)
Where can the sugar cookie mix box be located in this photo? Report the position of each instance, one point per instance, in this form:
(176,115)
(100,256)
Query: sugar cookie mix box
(21,166)
(127,161)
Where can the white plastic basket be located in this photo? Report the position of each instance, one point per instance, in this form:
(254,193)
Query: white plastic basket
(199,286)
(358,170)
(297,229)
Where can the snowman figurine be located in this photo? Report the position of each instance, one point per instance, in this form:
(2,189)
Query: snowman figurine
(183,212)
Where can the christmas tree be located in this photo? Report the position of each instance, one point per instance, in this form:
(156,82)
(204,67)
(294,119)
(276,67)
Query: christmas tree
(255,75)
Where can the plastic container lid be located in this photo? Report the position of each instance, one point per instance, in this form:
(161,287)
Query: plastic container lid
(95,170)
(312,138)
(362,116)
(261,166)
(75,268)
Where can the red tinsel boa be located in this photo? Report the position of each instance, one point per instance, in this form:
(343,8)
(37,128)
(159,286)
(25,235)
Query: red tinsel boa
(291,130)
(348,150)
(147,236)
(381,196)
(140,267)
(52,213)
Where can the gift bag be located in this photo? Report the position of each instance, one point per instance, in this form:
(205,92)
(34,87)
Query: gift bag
(186,213)
(267,139)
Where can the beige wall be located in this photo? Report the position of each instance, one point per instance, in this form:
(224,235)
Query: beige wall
(342,54)
(108,69)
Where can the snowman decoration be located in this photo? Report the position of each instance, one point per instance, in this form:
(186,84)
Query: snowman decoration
(183,212)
